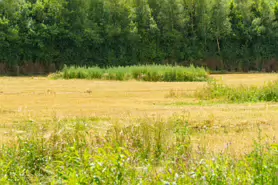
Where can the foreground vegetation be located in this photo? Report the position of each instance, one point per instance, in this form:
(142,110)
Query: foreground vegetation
(145,151)
(222,34)
(215,90)
(144,73)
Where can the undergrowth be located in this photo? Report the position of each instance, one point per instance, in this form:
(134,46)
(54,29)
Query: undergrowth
(218,91)
(147,151)
(143,73)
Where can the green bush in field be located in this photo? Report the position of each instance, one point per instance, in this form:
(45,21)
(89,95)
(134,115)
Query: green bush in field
(148,151)
(144,73)
(214,90)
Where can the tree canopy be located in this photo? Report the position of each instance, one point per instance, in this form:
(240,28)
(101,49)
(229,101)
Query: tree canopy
(222,34)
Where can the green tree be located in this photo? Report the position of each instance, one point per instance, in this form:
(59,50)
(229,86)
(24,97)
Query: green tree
(220,25)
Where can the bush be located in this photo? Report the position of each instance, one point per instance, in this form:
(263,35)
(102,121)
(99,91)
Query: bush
(144,73)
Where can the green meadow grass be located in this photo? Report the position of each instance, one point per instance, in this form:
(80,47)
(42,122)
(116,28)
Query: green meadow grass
(265,93)
(143,73)
(148,151)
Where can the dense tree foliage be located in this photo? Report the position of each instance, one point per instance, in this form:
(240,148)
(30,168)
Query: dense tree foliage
(222,34)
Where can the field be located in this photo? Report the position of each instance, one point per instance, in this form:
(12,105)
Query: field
(214,126)
(40,99)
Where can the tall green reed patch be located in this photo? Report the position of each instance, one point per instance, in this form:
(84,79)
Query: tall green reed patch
(143,73)
(148,151)
(214,90)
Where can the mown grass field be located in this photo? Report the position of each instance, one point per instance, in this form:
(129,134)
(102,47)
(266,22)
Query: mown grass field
(40,99)
(33,105)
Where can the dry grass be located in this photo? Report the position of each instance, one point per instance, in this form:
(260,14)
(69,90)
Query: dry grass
(215,125)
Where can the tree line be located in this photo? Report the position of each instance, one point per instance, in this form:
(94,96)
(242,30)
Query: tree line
(236,35)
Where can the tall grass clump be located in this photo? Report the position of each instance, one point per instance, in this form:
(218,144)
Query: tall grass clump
(144,73)
(148,151)
(218,91)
